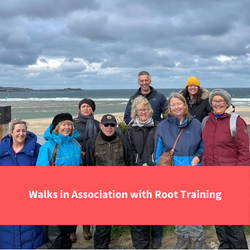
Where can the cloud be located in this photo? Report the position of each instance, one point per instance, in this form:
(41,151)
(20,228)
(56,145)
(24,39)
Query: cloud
(95,44)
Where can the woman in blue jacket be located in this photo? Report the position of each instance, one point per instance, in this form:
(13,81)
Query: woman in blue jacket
(19,148)
(60,149)
(188,152)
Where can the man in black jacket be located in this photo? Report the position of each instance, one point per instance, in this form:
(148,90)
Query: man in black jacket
(107,148)
(157,100)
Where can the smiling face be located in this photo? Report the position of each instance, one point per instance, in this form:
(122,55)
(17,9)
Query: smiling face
(177,107)
(85,109)
(219,104)
(142,112)
(19,134)
(65,128)
(144,83)
(192,90)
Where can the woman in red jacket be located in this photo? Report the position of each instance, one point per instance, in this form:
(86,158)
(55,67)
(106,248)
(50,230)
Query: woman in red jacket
(220,148)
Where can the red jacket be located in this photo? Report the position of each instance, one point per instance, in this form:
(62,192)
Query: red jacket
(219,147)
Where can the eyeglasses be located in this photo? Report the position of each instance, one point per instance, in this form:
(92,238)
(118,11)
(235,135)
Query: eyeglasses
(107,124)
(176,104)
(220,101)
(142,110)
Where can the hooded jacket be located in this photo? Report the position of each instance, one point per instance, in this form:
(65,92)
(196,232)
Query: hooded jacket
(220,148)
(143,151)
(157,100)
(68,153)
(188,145)
(27,156)
(201,110)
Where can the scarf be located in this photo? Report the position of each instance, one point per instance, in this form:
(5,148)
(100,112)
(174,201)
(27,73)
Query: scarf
(90,126)
(148,123)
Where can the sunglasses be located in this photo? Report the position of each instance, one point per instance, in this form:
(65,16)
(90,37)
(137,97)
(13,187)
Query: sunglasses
(107,124)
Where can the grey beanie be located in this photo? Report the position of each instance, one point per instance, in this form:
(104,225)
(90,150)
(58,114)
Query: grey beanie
(220,92)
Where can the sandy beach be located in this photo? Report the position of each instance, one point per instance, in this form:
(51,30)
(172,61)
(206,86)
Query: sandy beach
(38,126)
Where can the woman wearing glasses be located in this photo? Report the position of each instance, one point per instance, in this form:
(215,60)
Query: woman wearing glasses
(223,149)
(140,134)
(196,98)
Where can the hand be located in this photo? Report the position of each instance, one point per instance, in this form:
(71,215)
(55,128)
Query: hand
(83,153)
(195,161)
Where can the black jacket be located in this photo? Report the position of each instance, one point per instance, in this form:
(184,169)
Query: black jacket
(80,126)
(201,110)
(143,151)
(90,150)
(157,100)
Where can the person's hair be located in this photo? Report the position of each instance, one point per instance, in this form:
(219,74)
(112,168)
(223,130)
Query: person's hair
(140,100)
(59,124)
(143,73)
(181,98)
(197,96)
(16,121)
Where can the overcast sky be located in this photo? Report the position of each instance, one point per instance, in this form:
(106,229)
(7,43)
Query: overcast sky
(97,44)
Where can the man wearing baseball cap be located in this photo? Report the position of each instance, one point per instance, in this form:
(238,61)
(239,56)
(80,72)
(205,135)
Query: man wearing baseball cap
(107,148)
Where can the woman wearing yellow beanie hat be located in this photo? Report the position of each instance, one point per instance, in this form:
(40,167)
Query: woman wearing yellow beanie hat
(197,98)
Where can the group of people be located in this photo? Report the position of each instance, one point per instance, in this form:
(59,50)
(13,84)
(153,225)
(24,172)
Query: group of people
(201,119)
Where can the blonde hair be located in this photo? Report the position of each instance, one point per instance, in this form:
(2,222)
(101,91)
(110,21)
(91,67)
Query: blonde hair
(59,124)
(140,100)
(181,98)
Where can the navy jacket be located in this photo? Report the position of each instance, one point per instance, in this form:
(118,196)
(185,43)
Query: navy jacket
(189,144)
(21,237)
(27,156)
(157,100)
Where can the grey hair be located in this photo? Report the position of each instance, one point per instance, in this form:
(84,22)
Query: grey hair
(181,98)
(143,73)
(17,121)
(140,100)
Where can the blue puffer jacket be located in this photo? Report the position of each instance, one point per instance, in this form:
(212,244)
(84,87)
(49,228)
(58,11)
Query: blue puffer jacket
(25,157)
(189,144)
(68,153)
(21,237)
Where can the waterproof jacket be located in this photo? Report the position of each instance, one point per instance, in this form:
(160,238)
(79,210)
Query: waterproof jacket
(80,126)
(104,153)
(188,145)
(21,237)
(68,153)
(201,110)
(157,100)
(220,148)
(27,156)
(143,151)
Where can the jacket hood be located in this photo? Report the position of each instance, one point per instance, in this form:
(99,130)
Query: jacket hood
(175,120)
(204,93)
(49,135)
(29,145)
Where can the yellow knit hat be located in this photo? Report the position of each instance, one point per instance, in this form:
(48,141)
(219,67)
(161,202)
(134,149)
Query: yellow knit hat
(192,81)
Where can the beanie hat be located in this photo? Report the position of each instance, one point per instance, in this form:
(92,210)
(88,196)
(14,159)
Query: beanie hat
(90,102)
(192,81)
(61,117)
(220,92)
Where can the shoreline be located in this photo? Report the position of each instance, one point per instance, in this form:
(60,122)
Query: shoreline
(39,125)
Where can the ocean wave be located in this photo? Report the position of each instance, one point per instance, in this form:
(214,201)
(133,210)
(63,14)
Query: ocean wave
(61,99)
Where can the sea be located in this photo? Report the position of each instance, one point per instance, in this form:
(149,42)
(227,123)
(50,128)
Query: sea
(31,105)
